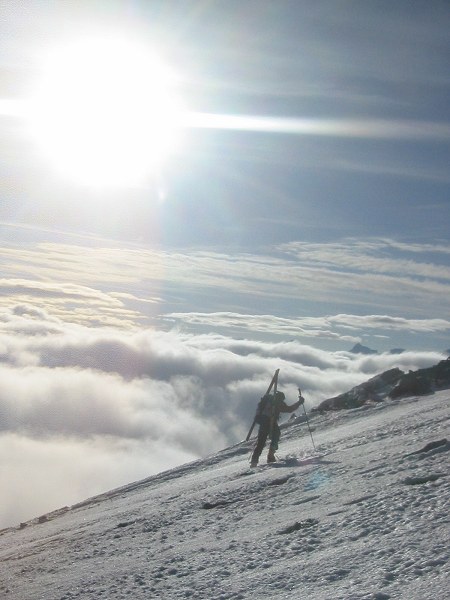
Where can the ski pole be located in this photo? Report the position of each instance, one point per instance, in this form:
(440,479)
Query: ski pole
(307,420)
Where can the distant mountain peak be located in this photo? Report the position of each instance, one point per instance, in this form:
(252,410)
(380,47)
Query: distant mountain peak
(360,349)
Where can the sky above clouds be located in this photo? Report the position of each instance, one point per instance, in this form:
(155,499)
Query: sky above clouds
(305,209)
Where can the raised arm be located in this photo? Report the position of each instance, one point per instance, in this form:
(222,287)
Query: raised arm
(285,408)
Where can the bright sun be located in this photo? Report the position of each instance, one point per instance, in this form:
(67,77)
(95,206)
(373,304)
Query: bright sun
(105,112)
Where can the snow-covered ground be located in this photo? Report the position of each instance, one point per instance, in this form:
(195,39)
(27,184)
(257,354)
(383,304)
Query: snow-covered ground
(363,517)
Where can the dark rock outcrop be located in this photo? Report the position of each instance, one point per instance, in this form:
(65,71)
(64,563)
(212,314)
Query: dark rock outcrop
(441,374)
(373,390)
(423,381)
(392,384)
(413,383)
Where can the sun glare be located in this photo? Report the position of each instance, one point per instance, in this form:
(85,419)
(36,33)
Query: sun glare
(105,112)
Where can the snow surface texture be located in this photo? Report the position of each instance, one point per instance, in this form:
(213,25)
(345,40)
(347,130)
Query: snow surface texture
(363,517)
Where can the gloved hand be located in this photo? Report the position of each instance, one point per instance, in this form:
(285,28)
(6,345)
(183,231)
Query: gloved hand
(301,400)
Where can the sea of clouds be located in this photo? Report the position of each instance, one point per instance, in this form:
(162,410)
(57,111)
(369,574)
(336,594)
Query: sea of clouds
(86,409)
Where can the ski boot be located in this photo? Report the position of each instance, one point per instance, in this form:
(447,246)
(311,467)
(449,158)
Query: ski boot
(271,456)
(254,460)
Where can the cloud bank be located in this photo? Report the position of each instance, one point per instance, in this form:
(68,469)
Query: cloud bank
(138,287)
(339,327)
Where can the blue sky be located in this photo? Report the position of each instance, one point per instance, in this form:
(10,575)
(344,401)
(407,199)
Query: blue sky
(306,209)
(337,194)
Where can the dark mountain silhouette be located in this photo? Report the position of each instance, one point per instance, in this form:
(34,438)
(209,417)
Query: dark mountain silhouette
(391,384)
(360,349)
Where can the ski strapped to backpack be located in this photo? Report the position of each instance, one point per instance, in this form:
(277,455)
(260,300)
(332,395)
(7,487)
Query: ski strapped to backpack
(273,384)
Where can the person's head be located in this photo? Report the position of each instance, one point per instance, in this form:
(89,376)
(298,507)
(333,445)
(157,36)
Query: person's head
(280,396)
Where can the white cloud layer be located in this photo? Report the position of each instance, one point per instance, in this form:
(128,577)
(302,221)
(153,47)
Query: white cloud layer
(338,327)
(86,409)
(133,286)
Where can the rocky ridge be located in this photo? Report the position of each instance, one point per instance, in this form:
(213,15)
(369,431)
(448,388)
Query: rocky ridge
(392,384)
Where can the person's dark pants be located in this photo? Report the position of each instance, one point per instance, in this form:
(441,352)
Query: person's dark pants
(264,431)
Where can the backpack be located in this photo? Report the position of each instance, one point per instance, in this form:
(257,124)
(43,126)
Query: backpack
(264,409)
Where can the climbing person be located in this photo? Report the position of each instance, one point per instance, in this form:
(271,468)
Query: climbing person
(267,414)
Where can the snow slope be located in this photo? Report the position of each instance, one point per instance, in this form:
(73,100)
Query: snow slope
(364,517)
